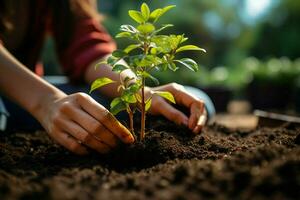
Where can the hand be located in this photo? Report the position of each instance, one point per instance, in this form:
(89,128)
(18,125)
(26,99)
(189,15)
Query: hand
(198,113)
(78,122)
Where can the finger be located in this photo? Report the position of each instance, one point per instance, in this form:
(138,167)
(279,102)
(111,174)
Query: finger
(92,126)
(171,113)
(181,96)
(83,136)
(196,110)
(70,143)
(200,124)
(106,118)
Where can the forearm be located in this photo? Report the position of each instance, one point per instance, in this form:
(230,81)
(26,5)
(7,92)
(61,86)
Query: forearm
(24,87)
(109,90)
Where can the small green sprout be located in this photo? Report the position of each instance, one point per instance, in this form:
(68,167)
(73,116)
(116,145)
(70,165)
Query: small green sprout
(148,51)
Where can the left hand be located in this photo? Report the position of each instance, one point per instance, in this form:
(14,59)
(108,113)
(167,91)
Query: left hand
(198,113)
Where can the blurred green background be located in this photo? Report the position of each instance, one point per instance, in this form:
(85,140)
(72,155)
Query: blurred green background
(249,43)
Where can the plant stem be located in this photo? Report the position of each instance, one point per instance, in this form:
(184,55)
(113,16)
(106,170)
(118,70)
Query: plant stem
(130,113)
(142,134)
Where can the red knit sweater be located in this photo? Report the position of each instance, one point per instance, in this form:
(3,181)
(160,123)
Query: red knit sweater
(89,42)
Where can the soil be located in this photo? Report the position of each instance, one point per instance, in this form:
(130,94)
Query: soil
(220,163)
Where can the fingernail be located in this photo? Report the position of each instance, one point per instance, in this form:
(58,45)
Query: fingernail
(197,129)
(129,138)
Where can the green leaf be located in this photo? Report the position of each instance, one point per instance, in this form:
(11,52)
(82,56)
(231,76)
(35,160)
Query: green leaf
(167,95)
(129,98)
(189,48)
(162,41)
(162,28)
(145,11)
(155,14)
(117,105)
(167,8)
(134,88)
(152,78)
(112,60)
(128,28)
(123,35)
(146,28)
(131,47)
(148,104)
(119,68)
(189,63)
(137,16)
(100,82)
(172,66)
(119,53)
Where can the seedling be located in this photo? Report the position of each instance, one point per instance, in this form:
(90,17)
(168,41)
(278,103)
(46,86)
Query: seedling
(148,50)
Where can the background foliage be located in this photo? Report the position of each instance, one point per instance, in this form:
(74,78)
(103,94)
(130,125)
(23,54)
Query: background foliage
(230,30)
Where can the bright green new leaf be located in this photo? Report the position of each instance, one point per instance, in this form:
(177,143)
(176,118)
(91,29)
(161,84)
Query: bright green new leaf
(189,63)
(148,104)
(119,68)
(167,8)
(117,105)
(131,47)
(146,28)
(155,14)
(115,101)
(123,35)
(189,48)
(129,98)
(167,95)
(137,16)
(145,11)
(100,82)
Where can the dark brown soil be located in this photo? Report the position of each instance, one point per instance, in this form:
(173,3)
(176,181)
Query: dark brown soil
(171,164)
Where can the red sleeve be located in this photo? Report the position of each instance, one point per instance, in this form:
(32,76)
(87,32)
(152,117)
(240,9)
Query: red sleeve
(89,43)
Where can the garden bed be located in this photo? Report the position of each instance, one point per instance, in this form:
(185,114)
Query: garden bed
(171,164)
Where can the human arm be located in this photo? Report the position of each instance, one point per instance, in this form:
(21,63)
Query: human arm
(76,121)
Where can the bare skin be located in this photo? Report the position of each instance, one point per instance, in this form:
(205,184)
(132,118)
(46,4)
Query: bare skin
(76,121)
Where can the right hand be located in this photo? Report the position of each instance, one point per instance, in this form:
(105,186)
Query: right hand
(78,122)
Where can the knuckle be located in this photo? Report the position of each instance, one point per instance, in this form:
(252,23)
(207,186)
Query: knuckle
(176,86)
(80,96)
(96,127)
(65,107)
(56,118)
(87,138)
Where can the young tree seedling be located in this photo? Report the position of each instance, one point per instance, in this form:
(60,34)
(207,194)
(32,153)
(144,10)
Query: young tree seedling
(148,50)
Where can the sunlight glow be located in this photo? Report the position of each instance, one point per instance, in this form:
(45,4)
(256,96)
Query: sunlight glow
(255,8)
